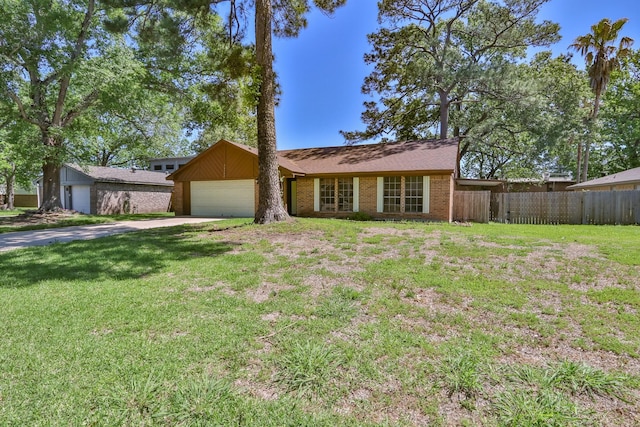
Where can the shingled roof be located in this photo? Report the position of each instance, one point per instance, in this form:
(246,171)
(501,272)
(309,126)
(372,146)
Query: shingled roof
(409,156)
(419,156)
(123,176)
(624,177)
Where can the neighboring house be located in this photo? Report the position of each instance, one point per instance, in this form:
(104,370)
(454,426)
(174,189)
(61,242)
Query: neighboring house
(404,180)
(104,191)
(168,164)
(547,183)
(479,184)
(625,180)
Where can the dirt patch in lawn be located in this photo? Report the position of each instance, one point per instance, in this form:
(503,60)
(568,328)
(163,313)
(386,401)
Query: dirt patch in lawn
(30,218)
(537,323)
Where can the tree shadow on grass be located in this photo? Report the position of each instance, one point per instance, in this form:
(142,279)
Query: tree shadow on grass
(120,257)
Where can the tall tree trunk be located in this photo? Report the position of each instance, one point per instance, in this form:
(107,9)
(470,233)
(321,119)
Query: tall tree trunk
(579,164)
(10,181)
(592,127)
(456,134)
(270,203)
(444,114)
(51,175)
(585,159)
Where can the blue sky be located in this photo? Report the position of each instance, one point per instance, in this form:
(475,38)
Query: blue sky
(321,72)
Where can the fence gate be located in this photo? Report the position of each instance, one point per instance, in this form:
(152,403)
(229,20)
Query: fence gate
(471,206)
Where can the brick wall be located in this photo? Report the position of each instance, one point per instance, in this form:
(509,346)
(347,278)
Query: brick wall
(305,197)
(129,198)
(440,202)
(177,198)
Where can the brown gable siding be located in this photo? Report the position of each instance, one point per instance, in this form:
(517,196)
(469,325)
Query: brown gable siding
(240,164)
(221,161)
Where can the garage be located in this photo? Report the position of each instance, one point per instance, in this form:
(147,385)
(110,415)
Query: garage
(81,198)
(235,198)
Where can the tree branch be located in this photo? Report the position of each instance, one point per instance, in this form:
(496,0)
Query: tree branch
(21,109)
(65,81)
(79,109)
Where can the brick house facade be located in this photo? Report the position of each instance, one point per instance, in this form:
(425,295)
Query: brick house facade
(440,196)
(407,180)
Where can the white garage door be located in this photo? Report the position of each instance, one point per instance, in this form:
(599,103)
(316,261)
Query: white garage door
(223,198)
(81,198)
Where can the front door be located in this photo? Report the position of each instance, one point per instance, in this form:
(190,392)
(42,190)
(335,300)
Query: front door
(292,196)
(68,199)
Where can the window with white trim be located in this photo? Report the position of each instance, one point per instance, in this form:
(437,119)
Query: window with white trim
(414,191)
(345,194)
(327,194)
(413,194)
(392,193)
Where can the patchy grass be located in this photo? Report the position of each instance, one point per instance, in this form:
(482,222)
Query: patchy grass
(25,220)
(13,212)
(325,322)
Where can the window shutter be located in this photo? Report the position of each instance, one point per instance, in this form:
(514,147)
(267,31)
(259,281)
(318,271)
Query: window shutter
(316,194)
(380,198)
(426,193)
(356,194)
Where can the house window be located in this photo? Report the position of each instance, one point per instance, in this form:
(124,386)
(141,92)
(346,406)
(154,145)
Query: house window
(157,167)
(169,167)
(397,194)
(392,193)
(413,193)
(345,194)
(327,194)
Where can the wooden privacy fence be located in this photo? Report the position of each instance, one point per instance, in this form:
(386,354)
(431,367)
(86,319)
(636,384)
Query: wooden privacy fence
(590,207)
(471,206)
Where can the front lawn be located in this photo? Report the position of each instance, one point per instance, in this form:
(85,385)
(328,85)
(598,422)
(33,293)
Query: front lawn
(325,322)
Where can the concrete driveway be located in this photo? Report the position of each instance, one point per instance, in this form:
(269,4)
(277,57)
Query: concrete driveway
(23,239)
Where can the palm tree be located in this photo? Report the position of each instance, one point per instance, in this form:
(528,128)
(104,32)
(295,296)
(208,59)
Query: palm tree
(601,57)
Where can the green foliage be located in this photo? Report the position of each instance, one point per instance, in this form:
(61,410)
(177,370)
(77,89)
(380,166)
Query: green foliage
(620,120)
(602,58)
(600,54)
(360,216)
(134,93)
(455,65)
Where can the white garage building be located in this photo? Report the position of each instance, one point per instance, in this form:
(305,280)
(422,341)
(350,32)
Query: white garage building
(104,191)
